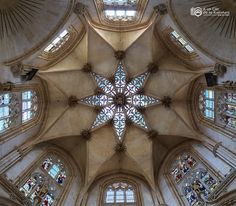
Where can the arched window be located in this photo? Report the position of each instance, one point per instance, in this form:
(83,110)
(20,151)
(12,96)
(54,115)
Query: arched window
(120,10)
(58,42)
(207,104)
(219,106)
(29,105)
(9,110)
(192,179)
(199,184)
(17,108)
(226,109)
(46,182)
(120,193)
(181,166)
(181,41)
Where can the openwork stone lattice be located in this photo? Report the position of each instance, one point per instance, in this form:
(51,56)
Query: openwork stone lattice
(120,101)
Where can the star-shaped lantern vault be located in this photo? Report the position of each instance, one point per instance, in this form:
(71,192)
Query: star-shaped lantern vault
(120,101)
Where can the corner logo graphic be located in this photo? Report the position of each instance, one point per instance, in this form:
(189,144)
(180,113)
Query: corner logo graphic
(196,11)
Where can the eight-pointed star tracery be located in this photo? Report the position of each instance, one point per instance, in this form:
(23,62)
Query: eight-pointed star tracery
(120,101)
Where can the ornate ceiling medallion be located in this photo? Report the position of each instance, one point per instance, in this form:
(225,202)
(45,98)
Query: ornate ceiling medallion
(120,101)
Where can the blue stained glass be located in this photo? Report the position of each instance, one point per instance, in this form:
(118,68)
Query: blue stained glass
(2,127)
(119,123)
(110,196)
(130,196)
(209,104)
(209,94)
(209,114)
(54,170)
(140,100)
(29,105)
(5,99)
(104,84)
(136,84)
(120,196)
(120,100)
(104,116)
(27,95)
(120,78)
(4,111)
(135,116)
(97,100)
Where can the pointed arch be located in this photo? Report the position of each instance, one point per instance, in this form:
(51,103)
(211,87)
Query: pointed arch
(22,106)
(215,107)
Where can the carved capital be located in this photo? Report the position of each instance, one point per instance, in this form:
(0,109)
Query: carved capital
(220,70)
(153,67)
(72,101)
(152,134)
(120,148)
(166,101)
(119,55)
(161,9)
(229,84)
(17,69)
(216,147)
(87,68)
(86,134)
(8,86)
(79,8)
(98,91)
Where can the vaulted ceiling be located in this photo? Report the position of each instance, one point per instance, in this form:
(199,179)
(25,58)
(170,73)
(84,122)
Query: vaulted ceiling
(64,124)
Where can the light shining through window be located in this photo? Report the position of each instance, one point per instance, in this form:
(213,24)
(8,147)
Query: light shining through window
(182,42)
(121,101)
(58,42)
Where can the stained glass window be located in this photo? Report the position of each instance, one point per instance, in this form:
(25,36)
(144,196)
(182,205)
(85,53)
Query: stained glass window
(58,42)
(184,44)
(207,104)
(9,110)
(219,106)
(227,108)
(29,105)
(120,193)
(120,10)
(199,183)
(46,181)
(17,108)
(120,101)
(192,179)
(55,168)
(183,164)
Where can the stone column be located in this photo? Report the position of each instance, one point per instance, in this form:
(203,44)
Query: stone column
(12,158)
(223,153)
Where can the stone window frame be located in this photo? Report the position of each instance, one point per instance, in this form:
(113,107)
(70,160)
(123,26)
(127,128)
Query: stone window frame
(49,151)
(176,47)
(205,121)
(129,181)
(176,188)
(40,90)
